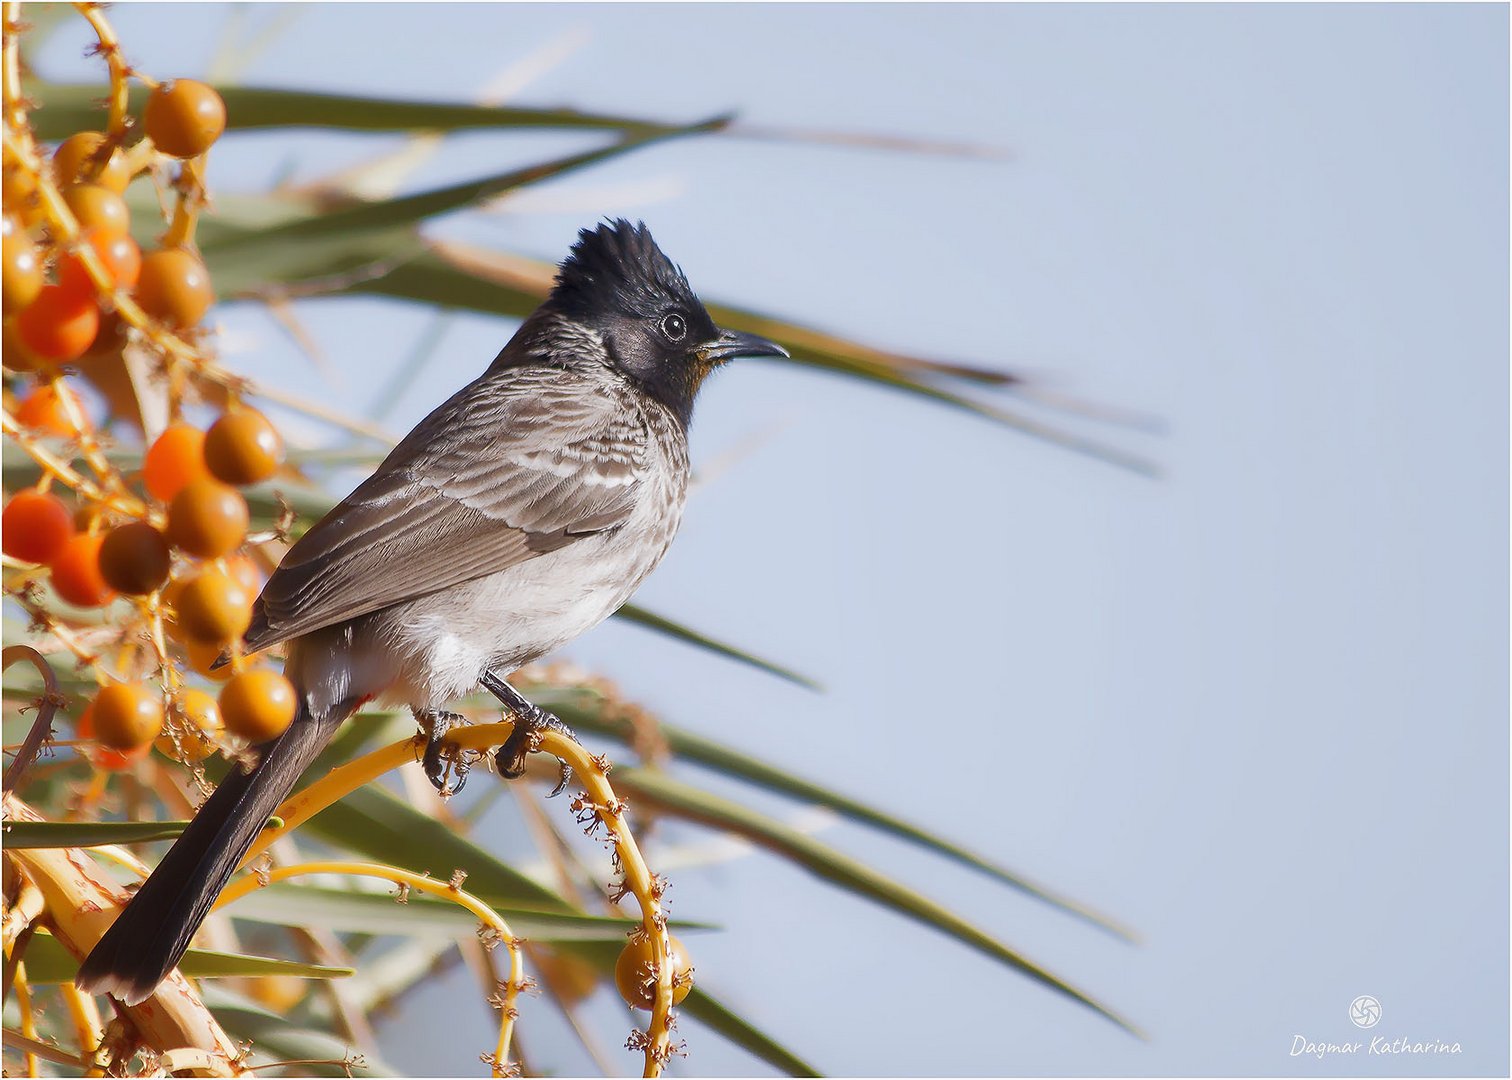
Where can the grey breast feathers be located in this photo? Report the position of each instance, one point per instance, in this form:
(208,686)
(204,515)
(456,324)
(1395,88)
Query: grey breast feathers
(520,462)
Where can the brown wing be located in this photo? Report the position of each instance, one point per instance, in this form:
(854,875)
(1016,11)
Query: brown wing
(518,463)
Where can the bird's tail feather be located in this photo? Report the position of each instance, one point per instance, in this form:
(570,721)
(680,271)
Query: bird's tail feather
(152,932)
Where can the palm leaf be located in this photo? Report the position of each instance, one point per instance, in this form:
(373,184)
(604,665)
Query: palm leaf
(71,107)
(344,242)
(378,824)
(455,276)
(49,961)
(56,834)
(661,791)
(275,1037)
(583,710)
(351,910)
(638,615)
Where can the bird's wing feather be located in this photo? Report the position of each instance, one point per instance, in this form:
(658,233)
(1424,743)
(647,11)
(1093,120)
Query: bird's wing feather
(517,464)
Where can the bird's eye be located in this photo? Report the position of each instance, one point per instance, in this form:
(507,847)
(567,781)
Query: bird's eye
(674,326)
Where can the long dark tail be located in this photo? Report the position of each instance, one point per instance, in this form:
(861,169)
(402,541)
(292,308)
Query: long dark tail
(152,932)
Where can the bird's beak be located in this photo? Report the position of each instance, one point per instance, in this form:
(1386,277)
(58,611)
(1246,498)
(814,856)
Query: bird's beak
(731,344)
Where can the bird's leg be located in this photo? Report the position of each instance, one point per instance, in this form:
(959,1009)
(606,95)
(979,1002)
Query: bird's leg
(530,721)
(438,760)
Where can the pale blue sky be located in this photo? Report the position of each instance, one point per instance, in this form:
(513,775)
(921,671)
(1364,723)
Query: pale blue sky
(1258,709)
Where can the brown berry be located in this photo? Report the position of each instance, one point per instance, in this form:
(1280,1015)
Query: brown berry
(134,559)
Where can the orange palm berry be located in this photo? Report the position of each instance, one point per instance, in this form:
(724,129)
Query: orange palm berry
(195,718)
(184,117)
(245,571)
(43,410)
(20,194)
(258,705)
(76,572)
(203,655)
(35,527)
(174,287)
(22,267)
(212,608)
(77,159)
(95,206)
(242,447)
(103,757)
(127,716)
(279,993)
(207,519)
(174,460)
(120,256)
(58,325)
(636,979)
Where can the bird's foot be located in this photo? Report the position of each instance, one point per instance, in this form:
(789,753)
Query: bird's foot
(530,723)
(443,762)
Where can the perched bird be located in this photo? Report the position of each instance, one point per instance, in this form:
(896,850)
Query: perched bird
(520,513)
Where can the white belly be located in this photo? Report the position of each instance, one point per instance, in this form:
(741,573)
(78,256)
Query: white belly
(431,650)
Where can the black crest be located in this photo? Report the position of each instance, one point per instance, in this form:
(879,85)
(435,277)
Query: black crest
(618,267)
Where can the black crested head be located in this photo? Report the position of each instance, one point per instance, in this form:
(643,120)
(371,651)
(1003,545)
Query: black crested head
(617,282)
(618,267)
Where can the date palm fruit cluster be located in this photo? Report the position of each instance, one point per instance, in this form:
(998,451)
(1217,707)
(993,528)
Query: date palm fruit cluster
(60,320)
(166,550)
(162,553)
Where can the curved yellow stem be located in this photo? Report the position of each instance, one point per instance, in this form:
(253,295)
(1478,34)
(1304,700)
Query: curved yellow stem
(600,806)
(335,785)
(603,806)
(10,80)
(420,883)
(122,857)
(28,1014)
(85,1015)
(110,48)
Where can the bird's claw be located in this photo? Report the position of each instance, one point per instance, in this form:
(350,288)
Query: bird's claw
(529,725)
(444,765)
(563,780)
